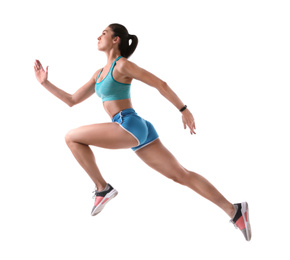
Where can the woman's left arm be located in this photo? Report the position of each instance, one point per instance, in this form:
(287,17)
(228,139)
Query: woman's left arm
(129,69)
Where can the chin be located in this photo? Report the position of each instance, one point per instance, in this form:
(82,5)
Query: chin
(100,48)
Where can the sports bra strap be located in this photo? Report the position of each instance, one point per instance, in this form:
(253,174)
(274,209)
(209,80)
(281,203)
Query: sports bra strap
(113,65)
(118,58)
(111,69)
(99,75)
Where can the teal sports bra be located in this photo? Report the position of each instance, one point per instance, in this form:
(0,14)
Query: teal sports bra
(110,89)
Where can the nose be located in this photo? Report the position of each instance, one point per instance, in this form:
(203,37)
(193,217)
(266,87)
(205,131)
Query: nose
(99,38)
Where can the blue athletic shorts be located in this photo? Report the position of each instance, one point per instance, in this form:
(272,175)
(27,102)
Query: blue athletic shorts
(141,129)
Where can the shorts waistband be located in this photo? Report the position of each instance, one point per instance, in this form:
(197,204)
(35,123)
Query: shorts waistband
(124,112)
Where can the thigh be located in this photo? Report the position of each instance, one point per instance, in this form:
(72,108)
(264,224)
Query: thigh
(105,135)
(160,159)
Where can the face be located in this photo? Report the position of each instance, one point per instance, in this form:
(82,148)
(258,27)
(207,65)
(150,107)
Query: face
(106,40)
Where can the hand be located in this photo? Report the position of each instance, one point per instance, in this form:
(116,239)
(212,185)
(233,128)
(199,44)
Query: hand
(188,120)
(40,74)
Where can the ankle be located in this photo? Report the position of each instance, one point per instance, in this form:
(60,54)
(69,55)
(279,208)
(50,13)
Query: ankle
(101,187)
(231,211)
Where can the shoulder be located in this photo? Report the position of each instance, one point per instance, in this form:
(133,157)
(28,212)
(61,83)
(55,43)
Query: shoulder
(94,77)
(123,63)
(125,66)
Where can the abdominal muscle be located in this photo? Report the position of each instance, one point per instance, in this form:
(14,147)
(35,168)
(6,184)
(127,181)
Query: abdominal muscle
(115,106)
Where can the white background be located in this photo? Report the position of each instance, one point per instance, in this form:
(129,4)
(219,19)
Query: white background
(227,60)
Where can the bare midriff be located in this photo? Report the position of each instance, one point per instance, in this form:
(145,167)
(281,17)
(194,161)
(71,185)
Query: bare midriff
(115,106)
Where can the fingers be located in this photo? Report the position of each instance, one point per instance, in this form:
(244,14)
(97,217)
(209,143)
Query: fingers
(192,130)
(37,65)
(188,120)
(184,125)
(191,127)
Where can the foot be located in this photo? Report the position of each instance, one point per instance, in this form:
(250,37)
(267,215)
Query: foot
(102,198)
(241,219)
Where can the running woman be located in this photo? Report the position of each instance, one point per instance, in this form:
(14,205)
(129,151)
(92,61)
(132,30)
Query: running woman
(128,130)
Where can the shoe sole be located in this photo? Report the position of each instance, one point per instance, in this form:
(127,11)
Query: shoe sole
(104,201)
(245,214)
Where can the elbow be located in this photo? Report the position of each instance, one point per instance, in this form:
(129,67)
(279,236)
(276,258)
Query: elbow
(71,102)
(163,87)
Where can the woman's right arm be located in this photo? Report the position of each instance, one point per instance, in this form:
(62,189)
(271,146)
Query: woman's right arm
(80,95)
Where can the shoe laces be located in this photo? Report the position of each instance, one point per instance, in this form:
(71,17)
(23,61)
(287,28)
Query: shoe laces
(95,193)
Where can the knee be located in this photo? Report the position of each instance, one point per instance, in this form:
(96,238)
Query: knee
(180,176)
(69,137)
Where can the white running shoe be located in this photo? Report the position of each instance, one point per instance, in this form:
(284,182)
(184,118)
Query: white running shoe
(102,198)
(241,220)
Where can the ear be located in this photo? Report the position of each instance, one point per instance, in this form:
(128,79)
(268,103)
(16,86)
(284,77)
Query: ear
(116,39)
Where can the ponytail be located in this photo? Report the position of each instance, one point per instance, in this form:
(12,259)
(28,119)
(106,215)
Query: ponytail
(128,42)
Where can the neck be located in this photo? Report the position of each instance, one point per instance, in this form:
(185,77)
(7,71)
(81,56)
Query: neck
(112,55)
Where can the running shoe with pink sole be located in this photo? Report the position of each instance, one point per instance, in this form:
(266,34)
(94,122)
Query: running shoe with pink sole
(241,219)
(102,198)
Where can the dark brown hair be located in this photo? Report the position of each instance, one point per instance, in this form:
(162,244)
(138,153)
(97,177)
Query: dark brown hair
(126,48)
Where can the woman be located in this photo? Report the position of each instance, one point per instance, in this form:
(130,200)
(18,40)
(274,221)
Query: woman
(127,129)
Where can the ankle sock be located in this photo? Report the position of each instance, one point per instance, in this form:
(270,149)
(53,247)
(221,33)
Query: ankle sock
(236,210)
(107,187)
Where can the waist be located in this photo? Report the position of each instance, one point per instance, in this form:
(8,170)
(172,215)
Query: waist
(114,107)
(122,113)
